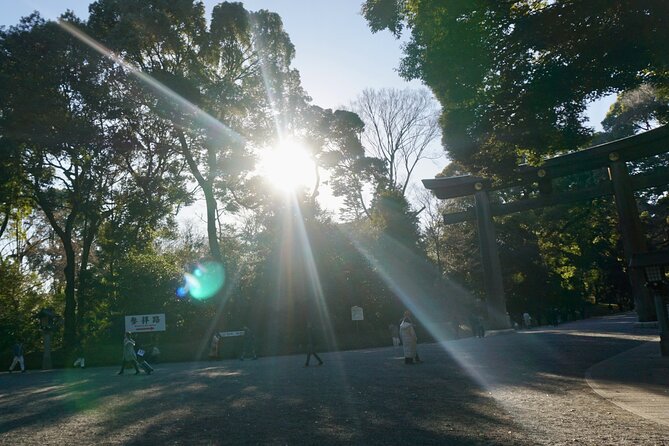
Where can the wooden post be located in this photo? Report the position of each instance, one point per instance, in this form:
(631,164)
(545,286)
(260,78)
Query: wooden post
(661,311)
(492,270)
(634,241)
(46,358)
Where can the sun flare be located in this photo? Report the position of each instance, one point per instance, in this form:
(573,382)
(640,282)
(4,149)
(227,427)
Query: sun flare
(287,166)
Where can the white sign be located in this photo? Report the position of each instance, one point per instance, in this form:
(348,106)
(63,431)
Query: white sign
(356,314)
(230,334)
(145,323)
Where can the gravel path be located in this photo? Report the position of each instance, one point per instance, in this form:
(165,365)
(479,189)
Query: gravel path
(523,389)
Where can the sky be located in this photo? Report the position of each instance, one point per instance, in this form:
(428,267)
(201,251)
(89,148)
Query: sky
(336,53)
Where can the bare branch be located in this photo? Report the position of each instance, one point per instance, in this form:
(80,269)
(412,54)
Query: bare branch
(399,127)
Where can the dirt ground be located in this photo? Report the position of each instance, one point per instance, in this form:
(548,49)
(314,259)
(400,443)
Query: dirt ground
(525,388)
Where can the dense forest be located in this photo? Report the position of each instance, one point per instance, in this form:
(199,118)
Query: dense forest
(113,126)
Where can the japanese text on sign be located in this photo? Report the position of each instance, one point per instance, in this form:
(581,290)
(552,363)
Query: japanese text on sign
(145,323)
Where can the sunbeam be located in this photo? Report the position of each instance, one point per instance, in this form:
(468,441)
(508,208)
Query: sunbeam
(419,297)
(205,119)
(397,267)
(269,91)
(288,166)
(311,270)
(400,269)
(196,286)
(298,263)
(227,292)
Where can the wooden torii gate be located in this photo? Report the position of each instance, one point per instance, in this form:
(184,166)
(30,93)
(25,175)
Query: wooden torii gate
(621,184)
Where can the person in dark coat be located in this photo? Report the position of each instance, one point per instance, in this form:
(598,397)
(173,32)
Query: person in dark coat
(476,323)
(17,351)
(311,349)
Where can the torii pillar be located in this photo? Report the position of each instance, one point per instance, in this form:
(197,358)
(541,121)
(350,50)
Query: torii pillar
(634,241)
(492,268)
(445,188)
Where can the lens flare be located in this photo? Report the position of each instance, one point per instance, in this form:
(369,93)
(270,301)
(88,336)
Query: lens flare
(182,292)
(204,282)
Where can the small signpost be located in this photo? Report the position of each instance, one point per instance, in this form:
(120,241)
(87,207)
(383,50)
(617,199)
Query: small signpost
(216,340)
(145,323)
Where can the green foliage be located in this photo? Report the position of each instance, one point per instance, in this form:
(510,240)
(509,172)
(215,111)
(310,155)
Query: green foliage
(633,112)
(637,110)
(516,75)
(54,104)
(352,172)
(513,79)
(20,298)
(106,161)
(385,14)
(147,282)
(392,215)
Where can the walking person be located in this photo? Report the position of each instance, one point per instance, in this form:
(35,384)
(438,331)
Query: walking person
(409,339)
(480,326)
(17,351)
(129,354)
(476,324)
(527,320)
(311,349)
(81,360)
(394,334)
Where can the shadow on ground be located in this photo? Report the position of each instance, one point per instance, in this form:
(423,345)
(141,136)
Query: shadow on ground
(357,397)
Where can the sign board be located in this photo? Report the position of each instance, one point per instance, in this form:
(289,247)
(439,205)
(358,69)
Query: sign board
(145,323)
(357,314)
(229,334)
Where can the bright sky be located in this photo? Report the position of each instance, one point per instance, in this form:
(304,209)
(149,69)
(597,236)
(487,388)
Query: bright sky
(336,53)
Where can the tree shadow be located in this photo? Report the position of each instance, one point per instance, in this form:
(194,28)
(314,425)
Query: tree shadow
(356,397)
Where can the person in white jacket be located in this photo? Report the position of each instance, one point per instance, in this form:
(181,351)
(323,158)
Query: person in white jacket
(409,339)
(129,354)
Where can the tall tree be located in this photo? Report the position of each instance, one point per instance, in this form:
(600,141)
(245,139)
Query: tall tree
(353,175)
(54,115)
(233,79)
(514,77)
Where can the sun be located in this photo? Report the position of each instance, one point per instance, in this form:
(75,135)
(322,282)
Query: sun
(288,166)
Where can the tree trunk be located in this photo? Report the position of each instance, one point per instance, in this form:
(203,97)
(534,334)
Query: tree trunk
(65,235)
(5,220)
(69,316)
(212,233)
(89,235)
(210,200)
(46,358)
